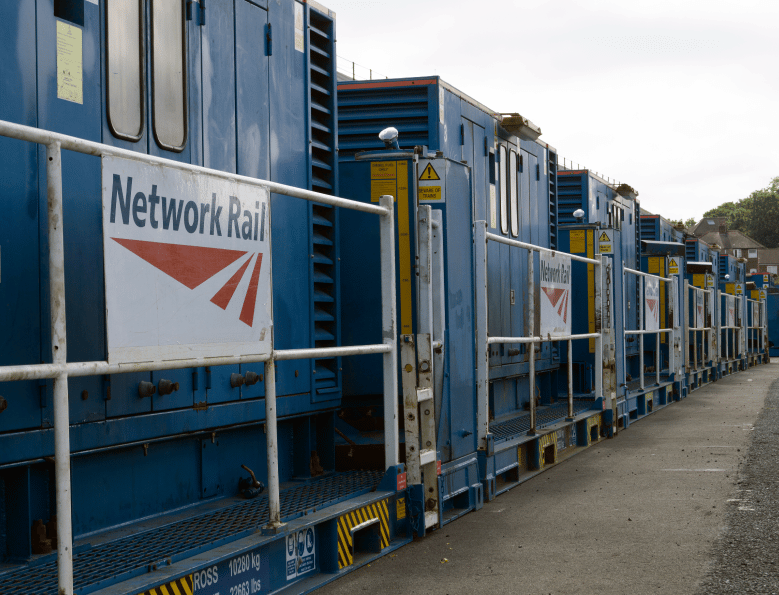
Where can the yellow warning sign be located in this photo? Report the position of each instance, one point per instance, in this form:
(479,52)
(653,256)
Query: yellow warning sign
(604,244)
(429,193)
(429,173)
(400,506)
(739,289)
(577,241)
(761,294)
(673,266)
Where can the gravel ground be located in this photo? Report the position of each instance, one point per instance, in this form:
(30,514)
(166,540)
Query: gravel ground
(745,558)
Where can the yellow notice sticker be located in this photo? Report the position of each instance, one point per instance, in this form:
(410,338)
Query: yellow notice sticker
(383,179)
(739,289)
(400,506)
(673,266)
(493,207)
(69,63)
(699,280)
(730,288)
(577,241)
(429,193)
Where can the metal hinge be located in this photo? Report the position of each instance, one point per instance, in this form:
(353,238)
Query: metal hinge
(196,11)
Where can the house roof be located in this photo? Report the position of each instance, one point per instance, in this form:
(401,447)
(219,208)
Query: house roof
(730,240)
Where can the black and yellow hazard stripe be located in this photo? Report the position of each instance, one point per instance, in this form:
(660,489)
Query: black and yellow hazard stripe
(351,519)
(181,586)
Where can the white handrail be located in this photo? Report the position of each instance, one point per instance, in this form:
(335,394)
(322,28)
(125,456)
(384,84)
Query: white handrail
(480,237)
(60,369)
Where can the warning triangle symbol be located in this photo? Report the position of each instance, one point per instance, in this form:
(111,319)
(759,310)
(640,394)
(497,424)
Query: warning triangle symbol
(429,173)
(672,263)
(604,238)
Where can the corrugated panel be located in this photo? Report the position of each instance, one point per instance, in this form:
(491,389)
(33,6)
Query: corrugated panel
(324,225)
(363,113)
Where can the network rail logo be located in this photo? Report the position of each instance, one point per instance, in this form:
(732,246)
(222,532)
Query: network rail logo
(192,265)
(187,263)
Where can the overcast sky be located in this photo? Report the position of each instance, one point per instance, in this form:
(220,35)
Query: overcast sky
(678,98)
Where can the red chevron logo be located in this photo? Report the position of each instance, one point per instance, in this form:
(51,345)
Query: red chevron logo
(652,303)
(194,265)
(559,296)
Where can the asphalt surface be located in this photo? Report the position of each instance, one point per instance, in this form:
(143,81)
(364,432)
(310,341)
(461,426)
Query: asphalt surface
(746,556)
(658,509)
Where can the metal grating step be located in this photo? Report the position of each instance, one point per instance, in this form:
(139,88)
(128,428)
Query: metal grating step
(545,416)
(125,558)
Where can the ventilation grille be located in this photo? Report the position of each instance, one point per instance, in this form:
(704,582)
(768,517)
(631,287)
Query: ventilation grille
(552,200)
(689,251)
(324,225)
(363,113)
(649,228)
(569,189)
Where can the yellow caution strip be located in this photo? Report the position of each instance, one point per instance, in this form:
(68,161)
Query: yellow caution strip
(350,520)
(404,250)
(545,442)
(181,586)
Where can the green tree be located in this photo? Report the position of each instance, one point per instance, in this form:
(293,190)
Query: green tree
(688,223)
(763,216)
(756,216)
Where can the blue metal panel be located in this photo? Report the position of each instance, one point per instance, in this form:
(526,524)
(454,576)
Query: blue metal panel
(19,228)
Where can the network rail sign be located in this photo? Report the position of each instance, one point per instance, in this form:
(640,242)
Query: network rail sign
(555,295)
(187,264)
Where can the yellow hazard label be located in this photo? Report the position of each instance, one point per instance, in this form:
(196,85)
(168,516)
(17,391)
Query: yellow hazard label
(429,173)
(730,288)
(739,289)
(577,241)
(404,250)
(181,586)
(755,294)
(709,280)
(673,266)
(430,193)
(350,520)
(383,180)
(604,237)
(605,248)
(699,280)
(761,294)
(400,506)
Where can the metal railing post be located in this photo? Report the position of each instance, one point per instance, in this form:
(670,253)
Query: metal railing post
(272,446)
(389,331)
(59,355)
(685,320)
(530,331)
(482,320)
(599,319)
(570,379)
(641,312)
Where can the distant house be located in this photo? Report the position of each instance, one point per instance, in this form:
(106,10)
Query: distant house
(768,260)
(714,230)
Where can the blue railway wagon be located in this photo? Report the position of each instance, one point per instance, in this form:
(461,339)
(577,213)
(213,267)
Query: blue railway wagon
(512,186)
(703,273)
(658,228)
(732,280)
(763,280)
(156,478)
(666,259)
(614,211)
